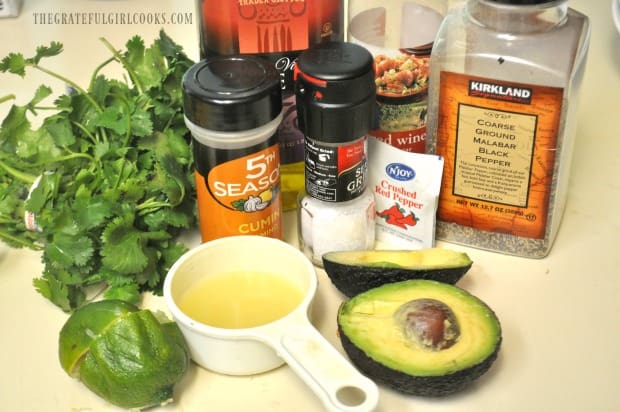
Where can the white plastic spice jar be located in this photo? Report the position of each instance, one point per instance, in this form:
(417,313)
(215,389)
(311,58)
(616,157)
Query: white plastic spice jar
(505,78)
(233,107)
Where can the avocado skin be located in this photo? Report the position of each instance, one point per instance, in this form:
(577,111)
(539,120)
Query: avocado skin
(353,280)
(429,386)
(442,382)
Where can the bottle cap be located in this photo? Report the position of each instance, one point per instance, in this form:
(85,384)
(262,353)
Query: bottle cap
(231,93)
(523,2)
(335,91)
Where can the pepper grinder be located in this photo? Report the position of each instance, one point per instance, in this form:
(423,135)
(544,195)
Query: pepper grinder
(335,97)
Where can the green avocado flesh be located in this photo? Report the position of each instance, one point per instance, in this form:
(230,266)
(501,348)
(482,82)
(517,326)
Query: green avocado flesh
(380,340)
(354,272)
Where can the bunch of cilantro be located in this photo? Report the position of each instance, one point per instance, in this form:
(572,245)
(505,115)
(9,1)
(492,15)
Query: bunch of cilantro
(107,176)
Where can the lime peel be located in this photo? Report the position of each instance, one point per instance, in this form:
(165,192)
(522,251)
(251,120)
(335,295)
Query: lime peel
(129,357)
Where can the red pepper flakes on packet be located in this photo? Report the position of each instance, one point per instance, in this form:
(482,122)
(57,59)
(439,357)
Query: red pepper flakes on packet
(406,188)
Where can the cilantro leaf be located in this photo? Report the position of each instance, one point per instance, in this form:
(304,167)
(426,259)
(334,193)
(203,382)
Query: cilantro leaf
(70,249)
(60,130)
(129,293)
(90,213)
(113,119)
(147,65)
(168,47)
(67,297)
(141,124)
(14,63)
(13,126)
(53,290)
(107,178)
(41,93)
(44,189)
(123,246)
(54,49)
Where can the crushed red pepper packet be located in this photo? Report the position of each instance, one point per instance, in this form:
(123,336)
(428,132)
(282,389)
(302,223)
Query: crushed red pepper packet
(406,188)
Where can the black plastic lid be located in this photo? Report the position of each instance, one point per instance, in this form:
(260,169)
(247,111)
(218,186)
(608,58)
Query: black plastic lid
(523,2)
(335,91)
(232,93)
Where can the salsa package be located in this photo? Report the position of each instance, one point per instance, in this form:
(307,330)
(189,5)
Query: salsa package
(406,188)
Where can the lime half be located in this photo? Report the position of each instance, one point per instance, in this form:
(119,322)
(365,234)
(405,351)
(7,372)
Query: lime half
(123,354)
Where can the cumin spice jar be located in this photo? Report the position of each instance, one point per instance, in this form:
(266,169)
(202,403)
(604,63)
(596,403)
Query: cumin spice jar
(233,107)
(504,85)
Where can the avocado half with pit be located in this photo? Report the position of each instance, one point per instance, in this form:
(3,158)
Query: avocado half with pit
(356,271)
(420,337)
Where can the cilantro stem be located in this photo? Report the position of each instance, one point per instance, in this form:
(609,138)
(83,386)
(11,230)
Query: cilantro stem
(18,174)
(73,155)
(98,69)
(104,135)
(169,123)
(44,108)
(4,219)
(151,205)
(127,104)
(120,175)
(85,131)
(7,98)
(70,83)
(121,59)
(20,241)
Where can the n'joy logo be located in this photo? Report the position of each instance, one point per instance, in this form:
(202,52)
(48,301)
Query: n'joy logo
(400,172)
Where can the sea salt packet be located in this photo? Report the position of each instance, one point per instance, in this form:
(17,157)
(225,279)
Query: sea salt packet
(406,188)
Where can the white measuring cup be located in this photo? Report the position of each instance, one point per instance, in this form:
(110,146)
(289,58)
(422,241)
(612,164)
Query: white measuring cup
(291,339)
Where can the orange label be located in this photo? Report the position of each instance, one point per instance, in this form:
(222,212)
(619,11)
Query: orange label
(498,140)
(241,197)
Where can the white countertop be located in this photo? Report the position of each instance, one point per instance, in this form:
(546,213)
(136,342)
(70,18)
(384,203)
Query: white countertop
(561,347)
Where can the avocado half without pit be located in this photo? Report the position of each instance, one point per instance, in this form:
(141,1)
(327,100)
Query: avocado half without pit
(420,337)
(356,271)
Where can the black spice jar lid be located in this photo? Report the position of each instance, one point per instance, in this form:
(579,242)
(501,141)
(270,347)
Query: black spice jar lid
(335,91)
(232,93)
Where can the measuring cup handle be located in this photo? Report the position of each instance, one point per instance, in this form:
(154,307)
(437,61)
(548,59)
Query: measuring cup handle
(336,382)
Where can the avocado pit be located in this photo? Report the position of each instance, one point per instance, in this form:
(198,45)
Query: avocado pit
(429,323)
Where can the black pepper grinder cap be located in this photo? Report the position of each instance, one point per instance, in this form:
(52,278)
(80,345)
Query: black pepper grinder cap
(231,93)
(335,91)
